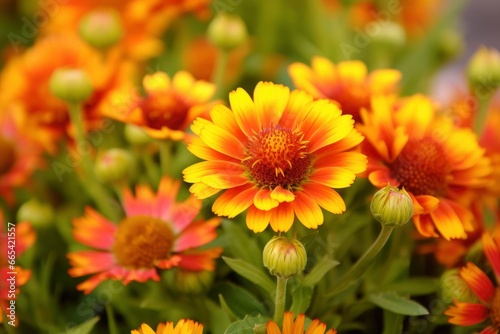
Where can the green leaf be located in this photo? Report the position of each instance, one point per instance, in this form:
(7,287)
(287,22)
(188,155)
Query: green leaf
(393,323)
(238,300)
(241,245)
(226,308)
(414,286)
(246,325)
(250,272)
(301,299)
(83,328)
(319,270)
(219,319)
(393,302)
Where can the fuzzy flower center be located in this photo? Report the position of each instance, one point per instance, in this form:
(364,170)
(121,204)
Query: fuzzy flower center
(166,110)
(277,157)
(422,168)
(7,155)
(495,309)
(140,240)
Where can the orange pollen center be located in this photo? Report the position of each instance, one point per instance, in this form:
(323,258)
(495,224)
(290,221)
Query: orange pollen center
(167,110)
(7,155)
(141,240)
(277,157)
(422,168)
(495,309)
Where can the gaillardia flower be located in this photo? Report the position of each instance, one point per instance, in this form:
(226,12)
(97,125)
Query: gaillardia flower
(347,83)
(182,327)
(278,155)
(296,326)
(169,106)
(468,313)
(157,232)
(439,165)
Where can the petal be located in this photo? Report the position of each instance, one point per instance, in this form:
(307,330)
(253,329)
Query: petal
(263,200)
(327,198)
(224,117)
(427,202)
(272,328)
(489,330)
(200,260)
(425,226)
(197,234)
(156,83)
(234,201)
(94,230)
(297,103)
(331,132)
(447,222)
(216,174)
(382,177)
(90,262)
(203,151)
(257,220)
(282,195)
(492,251)
(244,111)
(478,281)
(202,191)
(182,214)
(307,210)
(333,177)
(353,161)
(270,102)
(467,314)
(282,217)
(218,138)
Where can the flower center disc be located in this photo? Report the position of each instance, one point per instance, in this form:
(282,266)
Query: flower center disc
(7,155)
(422,168)
(277,157)
(165,110)
(495,309)
(140,240)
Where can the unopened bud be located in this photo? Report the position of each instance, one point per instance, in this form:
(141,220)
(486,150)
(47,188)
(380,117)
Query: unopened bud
(391,206)
(284,258)
(392,36)
(70,85)
(115,166)
(483,70)
(227,31)
(38,214)
(101,28)
(134,134)
(450,45)
(453,287)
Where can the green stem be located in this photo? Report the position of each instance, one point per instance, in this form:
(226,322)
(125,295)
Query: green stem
(165,156)
(279,305)
(111,320)
(218,74)
(95,190)
(481,116)
(150,166)
(356,271)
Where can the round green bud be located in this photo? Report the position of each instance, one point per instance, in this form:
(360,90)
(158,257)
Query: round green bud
(39,214)
(101,28)
(189,283)
(136,135)
(391,36)
(115,166)
(283,257)
(453,287)
(70,85)
(391,206)
(450,45)
(227,31)
(483,70)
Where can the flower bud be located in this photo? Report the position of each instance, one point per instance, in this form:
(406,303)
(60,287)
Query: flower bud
(39,214)
(284,258)
(115,166)
(136,135)
(392,36)
(70,85)
(101,28)
(450,45)
(391,206)
(227,31)
(453,287)
(188,282)
(483,70)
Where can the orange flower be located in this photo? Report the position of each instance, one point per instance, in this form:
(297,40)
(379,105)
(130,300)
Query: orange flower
(182,327)
(296,326)
(19,157)
(157,232)
(168,107)
(468,314)
(438,164)
(16,238)
(347,83)
(278,155)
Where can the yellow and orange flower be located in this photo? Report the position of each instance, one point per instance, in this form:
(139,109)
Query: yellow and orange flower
(347,83)
(19,156)
(291,326)
(468,314)
(439,164)
(168,107)
(182,327)
(157,232)
(17,238)
(278,155)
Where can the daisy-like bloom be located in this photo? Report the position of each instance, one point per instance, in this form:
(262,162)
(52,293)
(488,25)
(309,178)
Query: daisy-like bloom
(278,155)
(468,314)
(440,166)
(19,156)
(183,327)
(168,107)
(347,83)
(291,326)
(157,232)
(24,237)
